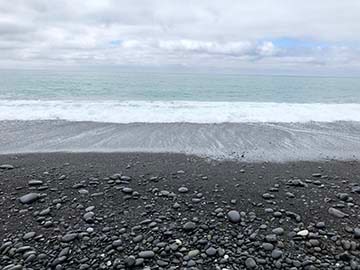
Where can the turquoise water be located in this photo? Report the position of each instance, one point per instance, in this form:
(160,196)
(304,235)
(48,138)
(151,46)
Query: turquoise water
(119,85)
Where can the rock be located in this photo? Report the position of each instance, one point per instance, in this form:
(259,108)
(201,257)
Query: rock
(147,254)
(234,216)
(267,246)
(276,253)
(89,217)
(355,189)
(183,189)
(29,198)
(268,196)
(211,251)
(28,235)
(357,233)
(320,225)
(303,233)
(69,237)
(127,190)
(337,213)
(250,263)
(116,243)
(278,231)
(6,167)
(193,253)
(130,261)
(296,183)
(35,183)
(189,226)
(271,238)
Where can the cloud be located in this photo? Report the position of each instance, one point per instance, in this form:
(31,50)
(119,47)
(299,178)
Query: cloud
(181,32)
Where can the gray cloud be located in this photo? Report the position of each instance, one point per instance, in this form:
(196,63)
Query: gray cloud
(228,33)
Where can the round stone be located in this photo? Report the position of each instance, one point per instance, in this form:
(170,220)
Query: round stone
(189,226)
(130,261)
(211,251)
(234,216)
(250,263)
(276,253)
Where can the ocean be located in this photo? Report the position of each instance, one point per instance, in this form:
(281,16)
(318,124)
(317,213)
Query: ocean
(249,117)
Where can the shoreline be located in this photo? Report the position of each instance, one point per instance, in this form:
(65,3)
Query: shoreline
(175,211)
(251,142)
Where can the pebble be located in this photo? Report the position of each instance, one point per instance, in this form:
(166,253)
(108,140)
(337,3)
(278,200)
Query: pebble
(147,254)
(29,198)
(69,237)
(276,253)
(250,263)
(211,251)
(303,233)
(6,167)
(337,213)
(234,216)
(35,183)
(28,235)
(357,233)
(183,189)
(189,226)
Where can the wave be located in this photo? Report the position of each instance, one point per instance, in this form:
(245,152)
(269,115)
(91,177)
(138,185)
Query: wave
(176,111)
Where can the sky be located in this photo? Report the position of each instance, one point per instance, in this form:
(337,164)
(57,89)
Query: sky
(257,35)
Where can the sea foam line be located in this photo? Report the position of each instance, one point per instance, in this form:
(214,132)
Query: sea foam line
(176,111)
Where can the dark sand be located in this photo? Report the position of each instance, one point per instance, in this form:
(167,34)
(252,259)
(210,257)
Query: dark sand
(150,213)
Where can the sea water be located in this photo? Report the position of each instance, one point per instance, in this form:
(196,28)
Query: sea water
(207,113)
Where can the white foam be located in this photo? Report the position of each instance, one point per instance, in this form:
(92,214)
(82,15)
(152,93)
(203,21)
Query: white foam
(176,111)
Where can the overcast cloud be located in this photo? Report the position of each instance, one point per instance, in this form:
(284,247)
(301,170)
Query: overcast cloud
(227,33)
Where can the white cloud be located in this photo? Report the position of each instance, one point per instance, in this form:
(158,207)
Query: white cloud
(198,32)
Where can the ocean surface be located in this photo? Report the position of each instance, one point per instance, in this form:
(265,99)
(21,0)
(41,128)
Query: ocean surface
(212,114)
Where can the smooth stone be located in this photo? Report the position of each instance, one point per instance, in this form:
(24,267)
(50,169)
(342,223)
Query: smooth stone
(337,213)
(89,217)
(127,190)
(183,189)
(267,246)
(29,198)
(303,233)
(35,182)
(211,251)
(250,263)
(193,253)
(276,253)
(69,237)
(189,226)
(234,216)
(147,254)
(278,231)
(6,167)
(357,232)
(130,261)
(28,235)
